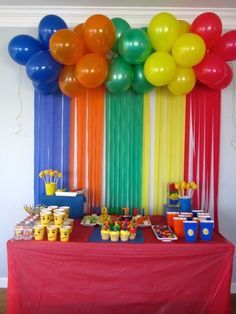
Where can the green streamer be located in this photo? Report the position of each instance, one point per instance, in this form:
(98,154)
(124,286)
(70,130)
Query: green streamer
(124,125)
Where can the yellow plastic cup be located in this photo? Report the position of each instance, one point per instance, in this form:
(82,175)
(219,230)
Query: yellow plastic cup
(50,188)
(39,232)
(65,233)
(58,219)
(71,221)
(52,233)
(66,210)
(45,217)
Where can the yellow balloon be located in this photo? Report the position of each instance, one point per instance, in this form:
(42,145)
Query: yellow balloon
(188,50)
(183,82)
(163,31)
(159,68)
(184,27)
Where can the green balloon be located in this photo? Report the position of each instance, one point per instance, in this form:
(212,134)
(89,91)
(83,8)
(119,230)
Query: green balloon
(140,84)
(120,76)
(134,46)
(120,27)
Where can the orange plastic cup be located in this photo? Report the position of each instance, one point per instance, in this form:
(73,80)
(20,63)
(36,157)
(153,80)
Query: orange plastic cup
(170,216)
(179,226)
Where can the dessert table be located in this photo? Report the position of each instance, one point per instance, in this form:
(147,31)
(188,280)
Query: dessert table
(151,277)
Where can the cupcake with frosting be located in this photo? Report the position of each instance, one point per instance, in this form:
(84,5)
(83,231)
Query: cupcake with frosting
(105,234)
(114,236)
(124,235)
(133,232)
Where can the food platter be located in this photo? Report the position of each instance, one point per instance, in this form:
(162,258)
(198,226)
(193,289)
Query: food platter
(142,221)
(89,220)
(164,233)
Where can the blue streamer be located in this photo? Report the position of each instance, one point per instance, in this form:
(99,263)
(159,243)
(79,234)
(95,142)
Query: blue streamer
(51,138)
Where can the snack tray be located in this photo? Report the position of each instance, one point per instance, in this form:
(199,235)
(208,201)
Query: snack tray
(164,233)
(94,221)
(143,225)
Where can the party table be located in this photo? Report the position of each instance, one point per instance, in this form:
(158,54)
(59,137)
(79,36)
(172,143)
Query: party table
(151,277)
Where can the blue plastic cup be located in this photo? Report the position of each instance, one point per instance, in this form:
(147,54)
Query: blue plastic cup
(206,229)
(190,231)
(185,204)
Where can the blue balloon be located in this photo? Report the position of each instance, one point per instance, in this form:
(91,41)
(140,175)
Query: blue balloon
(22,47)
(42,67)
(49,25)
(47,88)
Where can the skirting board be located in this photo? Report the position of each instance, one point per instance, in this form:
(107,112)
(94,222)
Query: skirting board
(3,284)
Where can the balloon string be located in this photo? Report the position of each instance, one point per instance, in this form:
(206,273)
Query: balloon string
(233,140)
(19,125)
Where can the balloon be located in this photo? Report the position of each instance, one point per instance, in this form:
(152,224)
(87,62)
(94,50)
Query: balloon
(140,84)
(91,70)
(226,46)
(134,46)
(211,69)
(48,25)
(208,25)
(163,30)
(42,67)
(68,82)
(159,68)
(188,50)
(79,30)
(66,46)
(99,34)
(183,82)
(22,47)
(120,27)
(120,76)
(47,88)
(226,80)
(184,27)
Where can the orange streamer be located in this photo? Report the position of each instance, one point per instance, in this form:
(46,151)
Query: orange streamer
(72,142)
(95,145)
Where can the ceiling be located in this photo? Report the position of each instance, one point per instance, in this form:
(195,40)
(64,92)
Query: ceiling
(125,3)
(28,13)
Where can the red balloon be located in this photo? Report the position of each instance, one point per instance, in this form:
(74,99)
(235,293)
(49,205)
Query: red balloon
(91,70)
(211,69)
(68,82)
(226,80)
(209,26)
(99,34)
(226,46)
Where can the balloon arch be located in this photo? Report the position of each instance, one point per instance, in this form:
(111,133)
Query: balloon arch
(109,51)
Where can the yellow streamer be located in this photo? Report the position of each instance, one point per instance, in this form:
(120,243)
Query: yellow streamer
(169,143)
(146,153)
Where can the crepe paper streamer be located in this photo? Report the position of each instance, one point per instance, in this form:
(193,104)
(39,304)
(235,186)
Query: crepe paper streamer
(51,137)
(146,153)
(169,143)
(124,121)
(72,144)
(95,144)
(203,121)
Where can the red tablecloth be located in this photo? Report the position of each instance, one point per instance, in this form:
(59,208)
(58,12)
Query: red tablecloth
(153,277)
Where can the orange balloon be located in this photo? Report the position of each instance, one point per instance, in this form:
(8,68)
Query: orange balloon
(91,70)
(66,46)
(68,82)
(79,30)
(99,34)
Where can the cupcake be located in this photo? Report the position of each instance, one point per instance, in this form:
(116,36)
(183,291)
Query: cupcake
(105,234)
(133,232)
(124,235)
(114,236)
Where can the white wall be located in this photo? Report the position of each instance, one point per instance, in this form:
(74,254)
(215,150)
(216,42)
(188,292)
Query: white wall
(17,146)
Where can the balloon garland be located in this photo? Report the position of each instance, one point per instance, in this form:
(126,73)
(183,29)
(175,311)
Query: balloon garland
(107,51)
